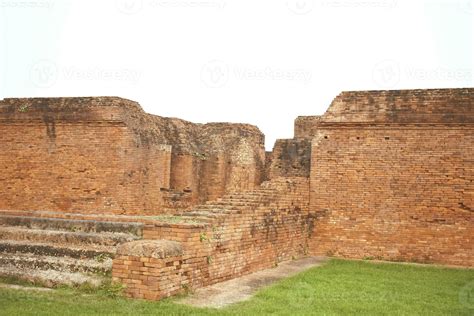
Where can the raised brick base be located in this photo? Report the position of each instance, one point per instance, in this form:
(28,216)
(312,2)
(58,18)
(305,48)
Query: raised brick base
(244,232)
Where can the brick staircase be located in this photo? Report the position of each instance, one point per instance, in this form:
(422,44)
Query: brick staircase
(54,251)
(267,194)
(54,248)
(237,234)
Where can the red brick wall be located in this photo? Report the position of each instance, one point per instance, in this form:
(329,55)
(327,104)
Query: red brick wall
(207,177)
(305,126)
(89,167)
(241,239)
(106,154)
(289,158)
(395,192)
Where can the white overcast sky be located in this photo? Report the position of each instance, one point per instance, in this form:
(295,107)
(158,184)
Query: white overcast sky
(262,62)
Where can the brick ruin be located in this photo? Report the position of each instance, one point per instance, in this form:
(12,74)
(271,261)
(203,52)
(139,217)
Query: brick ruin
(107,155)
(167,205)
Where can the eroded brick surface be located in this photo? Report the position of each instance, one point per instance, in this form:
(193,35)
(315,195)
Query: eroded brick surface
(382,174)
(106,155)
(392,176)
(242,233)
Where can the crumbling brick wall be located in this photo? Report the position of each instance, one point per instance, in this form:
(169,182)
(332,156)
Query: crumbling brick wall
(289,158)
(256,230)
(306,126)
(105,154)
(392,176)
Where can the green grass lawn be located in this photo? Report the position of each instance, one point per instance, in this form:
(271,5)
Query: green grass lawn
(337,288)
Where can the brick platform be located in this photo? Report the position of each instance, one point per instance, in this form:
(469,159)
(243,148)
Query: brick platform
(245,232)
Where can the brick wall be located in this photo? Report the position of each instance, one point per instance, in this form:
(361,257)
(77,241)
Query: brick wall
(395,193)
(289,158)
(394,189)
(443,106)
(107,155)
(305,126)
(428,106)
(244,232)
(89,167)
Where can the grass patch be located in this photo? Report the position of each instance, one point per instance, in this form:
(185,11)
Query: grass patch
(337,288)
(19,281)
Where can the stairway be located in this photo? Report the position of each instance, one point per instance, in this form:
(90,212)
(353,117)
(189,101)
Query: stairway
(53,251)
(243,202)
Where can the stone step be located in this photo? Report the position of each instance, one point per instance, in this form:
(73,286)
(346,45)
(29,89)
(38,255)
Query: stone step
(64,237)
(52,278)
(30,261)
(204,214)
(253,192)
(247,197)
(211,209)
(55,250)
(242,199)
(227,203)
(220,209)
(72,225)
